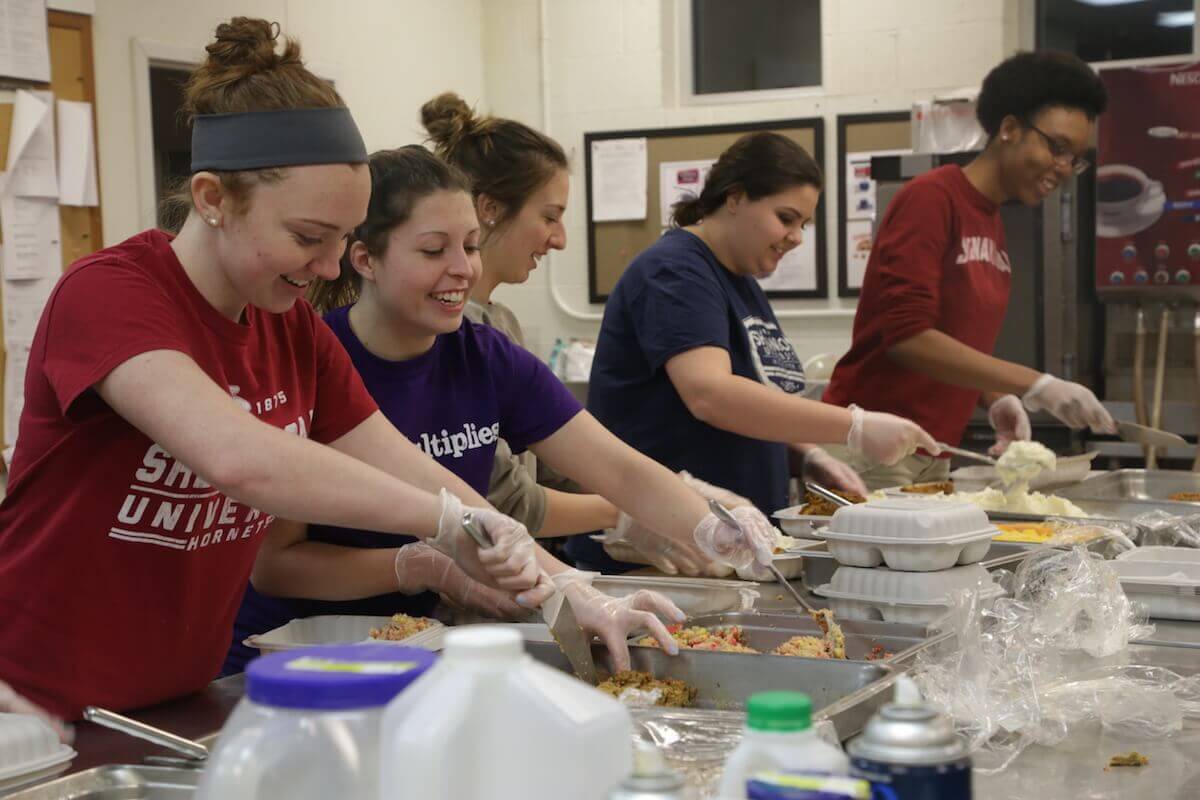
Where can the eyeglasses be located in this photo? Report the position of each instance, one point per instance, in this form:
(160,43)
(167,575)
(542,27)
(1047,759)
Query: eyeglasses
(1060,153)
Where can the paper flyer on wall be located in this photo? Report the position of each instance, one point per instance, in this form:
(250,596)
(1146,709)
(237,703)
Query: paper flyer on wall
(77,155)
(680,180)
(16,360)
(24,40)
(23,304)
(32,240)
(797,270)
(618,179)
(31,167)
(861,210)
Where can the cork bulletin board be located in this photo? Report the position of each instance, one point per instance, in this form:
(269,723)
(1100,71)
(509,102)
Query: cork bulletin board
(612,245)
(859,136)
(71,78)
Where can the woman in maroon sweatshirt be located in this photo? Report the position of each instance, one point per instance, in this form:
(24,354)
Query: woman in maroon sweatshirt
(937,282)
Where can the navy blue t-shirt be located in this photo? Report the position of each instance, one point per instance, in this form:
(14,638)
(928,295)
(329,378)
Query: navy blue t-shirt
(454,401)
(675,297)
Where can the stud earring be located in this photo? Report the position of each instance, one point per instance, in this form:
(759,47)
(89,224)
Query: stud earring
(492,222)
(211,221)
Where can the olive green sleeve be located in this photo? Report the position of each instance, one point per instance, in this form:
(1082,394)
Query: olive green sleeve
(513,490)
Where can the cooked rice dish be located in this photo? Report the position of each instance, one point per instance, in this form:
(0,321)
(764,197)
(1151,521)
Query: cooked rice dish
(672,693)
(401,626)
(727,639)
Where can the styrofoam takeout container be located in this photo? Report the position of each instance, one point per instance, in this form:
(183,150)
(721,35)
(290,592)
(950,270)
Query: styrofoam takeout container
(329,629)
(800,526)
(914,534)
(1168,589)
(29,751)
(913,597)
(694,596)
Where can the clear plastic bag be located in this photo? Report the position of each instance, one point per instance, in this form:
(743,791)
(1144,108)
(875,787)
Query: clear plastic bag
(1037,665)
(1159,528)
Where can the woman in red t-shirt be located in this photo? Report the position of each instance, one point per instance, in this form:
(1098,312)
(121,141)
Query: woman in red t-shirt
(179,398)
(937,282)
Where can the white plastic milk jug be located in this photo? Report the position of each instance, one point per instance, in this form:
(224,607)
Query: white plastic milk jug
(487,722)
(308,727)
(779,736)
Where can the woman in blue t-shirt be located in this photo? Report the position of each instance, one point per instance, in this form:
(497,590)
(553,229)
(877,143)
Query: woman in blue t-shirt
(454,387)
(693,369)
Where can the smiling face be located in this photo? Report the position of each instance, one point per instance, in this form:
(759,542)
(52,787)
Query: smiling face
(764,230)
(431,262)
(290,232)
(513,250)
(1038,156)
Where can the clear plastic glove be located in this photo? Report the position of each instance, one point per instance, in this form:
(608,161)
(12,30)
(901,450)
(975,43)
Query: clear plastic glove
(1010,422)
(510,563)
(669,556)
(886,438)
(13,703)
(615,619)
(710,492)
(755,542)
(822,468)
(1072,403)
(420,568)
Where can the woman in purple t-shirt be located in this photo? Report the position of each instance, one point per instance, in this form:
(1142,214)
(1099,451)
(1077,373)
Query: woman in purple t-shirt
(453,387)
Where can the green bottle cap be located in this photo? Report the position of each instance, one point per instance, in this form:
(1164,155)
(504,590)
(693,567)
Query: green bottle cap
(779,712)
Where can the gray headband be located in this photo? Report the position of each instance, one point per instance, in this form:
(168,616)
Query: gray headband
(259,139)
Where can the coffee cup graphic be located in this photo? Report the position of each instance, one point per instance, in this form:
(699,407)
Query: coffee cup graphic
(1127,201)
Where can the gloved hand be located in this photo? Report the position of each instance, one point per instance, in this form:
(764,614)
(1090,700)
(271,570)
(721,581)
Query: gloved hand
(1009,421)
(822,468)
(1072,403)
(13,703)
(755,542)
(420,568)
(886,438)
(668,555)
(710,492)
(614,619)
(510,563)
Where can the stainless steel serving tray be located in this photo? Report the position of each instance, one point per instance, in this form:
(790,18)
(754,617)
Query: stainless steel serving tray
(117,782)
(1138,485)
(765,632)
(724,681)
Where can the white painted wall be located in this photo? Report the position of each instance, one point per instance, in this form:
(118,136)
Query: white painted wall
(612,65)
(387,56)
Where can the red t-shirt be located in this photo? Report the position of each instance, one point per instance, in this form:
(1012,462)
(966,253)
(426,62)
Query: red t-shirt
(939,262)
(121,570)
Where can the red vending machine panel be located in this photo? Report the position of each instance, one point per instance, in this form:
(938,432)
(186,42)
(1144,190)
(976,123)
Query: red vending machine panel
(1148,184)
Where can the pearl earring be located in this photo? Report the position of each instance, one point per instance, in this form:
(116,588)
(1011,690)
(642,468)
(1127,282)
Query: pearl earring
(492,222)
(211,221)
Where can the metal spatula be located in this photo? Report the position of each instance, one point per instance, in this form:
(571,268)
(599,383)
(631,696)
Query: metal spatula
(722,513)
(568,634)
(1150,437)
(971,454)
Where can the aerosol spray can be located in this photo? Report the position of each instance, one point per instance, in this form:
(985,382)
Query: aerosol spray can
(909,751)
(652,779)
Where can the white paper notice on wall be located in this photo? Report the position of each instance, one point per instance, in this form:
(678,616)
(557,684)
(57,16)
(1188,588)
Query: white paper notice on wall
(24,40)
(31,169)
(76,155)
(797,270)
(32,241)
(680,180)
(23,304)
(16,360)
(618,179)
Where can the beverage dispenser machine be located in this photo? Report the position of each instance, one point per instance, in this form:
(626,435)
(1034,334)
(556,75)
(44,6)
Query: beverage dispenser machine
(1148,244)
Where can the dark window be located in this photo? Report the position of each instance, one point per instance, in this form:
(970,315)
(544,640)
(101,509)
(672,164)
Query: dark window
(752,45)
(1101,30)
(172,135)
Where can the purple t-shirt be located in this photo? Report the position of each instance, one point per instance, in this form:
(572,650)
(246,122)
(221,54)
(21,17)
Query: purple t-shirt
(453,402)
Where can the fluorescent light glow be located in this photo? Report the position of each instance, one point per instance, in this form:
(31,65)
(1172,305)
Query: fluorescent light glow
(1110,2)
(1176,19)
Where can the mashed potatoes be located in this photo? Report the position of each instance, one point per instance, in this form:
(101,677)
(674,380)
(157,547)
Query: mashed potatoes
(1024,461)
